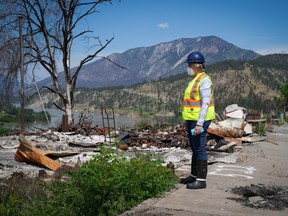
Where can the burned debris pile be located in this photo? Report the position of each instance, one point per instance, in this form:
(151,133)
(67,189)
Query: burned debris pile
(46,153)
(224,135)
(262,196)
(51,149)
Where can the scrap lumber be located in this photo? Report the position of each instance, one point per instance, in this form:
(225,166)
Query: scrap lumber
(238,141)
(254,139)
(223,132)
(26,152)
(83,144)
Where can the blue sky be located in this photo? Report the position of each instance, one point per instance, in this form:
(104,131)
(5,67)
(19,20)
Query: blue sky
(259,25)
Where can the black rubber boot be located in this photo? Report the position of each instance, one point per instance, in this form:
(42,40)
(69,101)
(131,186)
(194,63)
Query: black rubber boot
(200,182)
(194,166)
(192,177)
(196,185)
(187,180)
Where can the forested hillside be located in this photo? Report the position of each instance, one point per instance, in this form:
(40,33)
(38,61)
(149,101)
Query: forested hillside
(252,84)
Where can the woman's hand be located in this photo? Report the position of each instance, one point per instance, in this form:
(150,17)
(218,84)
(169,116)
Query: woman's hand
(198,129)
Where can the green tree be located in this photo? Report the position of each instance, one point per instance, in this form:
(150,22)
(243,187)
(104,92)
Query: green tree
(284,95)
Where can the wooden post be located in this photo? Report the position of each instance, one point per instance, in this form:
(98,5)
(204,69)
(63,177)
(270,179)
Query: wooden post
(65,126)
(21,76)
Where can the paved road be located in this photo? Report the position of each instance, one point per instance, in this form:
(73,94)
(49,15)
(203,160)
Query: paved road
(258,163)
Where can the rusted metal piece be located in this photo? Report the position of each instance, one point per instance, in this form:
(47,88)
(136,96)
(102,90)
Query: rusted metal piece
(108,115)
(123,147)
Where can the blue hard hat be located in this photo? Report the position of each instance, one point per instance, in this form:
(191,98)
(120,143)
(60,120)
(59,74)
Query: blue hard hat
(195,57)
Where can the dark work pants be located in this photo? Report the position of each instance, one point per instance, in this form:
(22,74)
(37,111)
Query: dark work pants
(198,143)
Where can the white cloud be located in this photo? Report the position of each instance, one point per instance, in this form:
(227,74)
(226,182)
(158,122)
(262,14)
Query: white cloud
(163,25)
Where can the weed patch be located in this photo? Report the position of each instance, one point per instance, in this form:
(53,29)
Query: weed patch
(109,184)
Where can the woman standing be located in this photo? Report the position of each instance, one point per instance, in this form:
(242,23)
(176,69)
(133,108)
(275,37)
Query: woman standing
(198,111)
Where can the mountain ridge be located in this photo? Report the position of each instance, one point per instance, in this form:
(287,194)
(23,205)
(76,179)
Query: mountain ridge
(253,84)
(154,62)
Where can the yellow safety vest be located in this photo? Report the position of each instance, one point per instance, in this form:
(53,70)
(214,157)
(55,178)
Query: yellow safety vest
(192,100)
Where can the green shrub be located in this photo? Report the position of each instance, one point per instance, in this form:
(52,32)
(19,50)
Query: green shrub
(4,131)
(7,118)
(14,115)
(10,109)
(109,184)
(259,129)
(21,195)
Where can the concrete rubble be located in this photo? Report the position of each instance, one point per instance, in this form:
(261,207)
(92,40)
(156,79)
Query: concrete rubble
(50,149)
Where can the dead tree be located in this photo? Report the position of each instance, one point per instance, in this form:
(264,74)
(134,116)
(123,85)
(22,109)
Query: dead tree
(9,60)
(50,30)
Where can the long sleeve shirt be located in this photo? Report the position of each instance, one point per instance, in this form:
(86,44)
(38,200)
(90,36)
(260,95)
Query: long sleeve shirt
(205,92)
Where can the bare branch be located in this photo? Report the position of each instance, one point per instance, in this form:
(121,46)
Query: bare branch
(50,30)
(87,59)
(58,107)
(113,62)
(80,34)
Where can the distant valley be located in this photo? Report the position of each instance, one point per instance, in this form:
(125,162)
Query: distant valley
(253,84)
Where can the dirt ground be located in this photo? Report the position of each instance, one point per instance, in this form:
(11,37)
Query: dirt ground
(257,184)
(262,196)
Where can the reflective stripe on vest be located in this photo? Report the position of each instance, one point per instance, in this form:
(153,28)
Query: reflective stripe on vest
(192,100)
(195,87)
(196,103)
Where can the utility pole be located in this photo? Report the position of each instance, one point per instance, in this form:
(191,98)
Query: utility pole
(21,75)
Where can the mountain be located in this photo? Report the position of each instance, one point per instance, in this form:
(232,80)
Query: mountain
(154,62)
(253,84)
